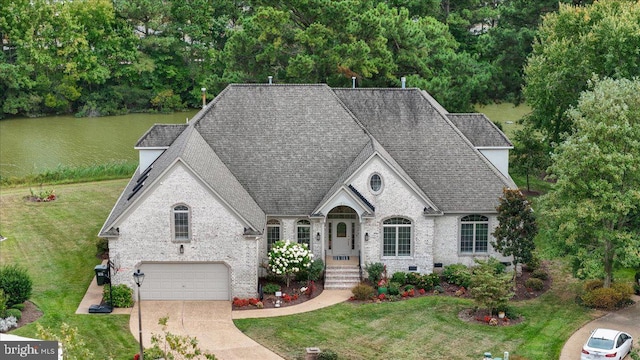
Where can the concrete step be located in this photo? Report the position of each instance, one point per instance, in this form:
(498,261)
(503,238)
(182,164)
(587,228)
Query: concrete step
(341,277)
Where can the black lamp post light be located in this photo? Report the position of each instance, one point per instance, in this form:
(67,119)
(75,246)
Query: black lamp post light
(138,277)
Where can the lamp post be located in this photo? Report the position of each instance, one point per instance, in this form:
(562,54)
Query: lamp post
(138,277)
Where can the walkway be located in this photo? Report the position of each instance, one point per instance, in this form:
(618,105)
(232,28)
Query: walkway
(211,322)
(627,320)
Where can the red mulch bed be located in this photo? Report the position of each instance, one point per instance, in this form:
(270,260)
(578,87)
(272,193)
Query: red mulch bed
(293,291)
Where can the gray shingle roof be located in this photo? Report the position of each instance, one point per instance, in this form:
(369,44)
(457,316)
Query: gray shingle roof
(286,144)
(481,131)
(432,151)
(283,149)
(161,135)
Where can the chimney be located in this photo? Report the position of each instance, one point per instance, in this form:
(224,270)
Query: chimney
(270,80)
(353,82)
(403,80)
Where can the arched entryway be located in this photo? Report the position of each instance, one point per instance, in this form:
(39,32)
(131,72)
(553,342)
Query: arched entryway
(343,232)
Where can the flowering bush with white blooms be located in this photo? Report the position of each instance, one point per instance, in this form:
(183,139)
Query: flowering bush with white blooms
(287,258)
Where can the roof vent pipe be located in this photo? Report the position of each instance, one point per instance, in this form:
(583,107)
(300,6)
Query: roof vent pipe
(270,80)
(403,80)
(353,82)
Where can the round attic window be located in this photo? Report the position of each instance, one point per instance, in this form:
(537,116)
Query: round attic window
(375,183)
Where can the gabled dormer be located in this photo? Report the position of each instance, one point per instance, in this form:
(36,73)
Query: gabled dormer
(155,141)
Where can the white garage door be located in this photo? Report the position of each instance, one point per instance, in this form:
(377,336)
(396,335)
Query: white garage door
(185,281)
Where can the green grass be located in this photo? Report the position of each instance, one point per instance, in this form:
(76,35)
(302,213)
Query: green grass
(424,328)
(67,175)
(505,113)
(56,241)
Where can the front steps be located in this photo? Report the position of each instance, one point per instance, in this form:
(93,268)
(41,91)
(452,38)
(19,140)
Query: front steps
(341,277)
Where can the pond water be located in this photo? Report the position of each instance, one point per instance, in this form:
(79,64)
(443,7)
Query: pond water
(31,145)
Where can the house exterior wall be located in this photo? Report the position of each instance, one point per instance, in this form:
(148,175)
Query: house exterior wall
(499,158)
(446,247)
(396,199)
(216,233)
(148,156)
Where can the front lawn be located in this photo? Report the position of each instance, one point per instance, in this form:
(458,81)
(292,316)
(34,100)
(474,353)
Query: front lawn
(56,242)
(424,328)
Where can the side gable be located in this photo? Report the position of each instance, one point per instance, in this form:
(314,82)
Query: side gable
(191,150)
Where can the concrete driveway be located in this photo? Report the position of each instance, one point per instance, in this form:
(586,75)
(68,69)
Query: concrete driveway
(627,320)
(208,321)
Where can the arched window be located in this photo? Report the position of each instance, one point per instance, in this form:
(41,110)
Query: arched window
(303,231)
(474,234)
(273,232)
(396,237)
(181,223)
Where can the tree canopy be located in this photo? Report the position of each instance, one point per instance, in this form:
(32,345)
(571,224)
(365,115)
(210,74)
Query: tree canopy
(594,208)
(572,45)
(102,57)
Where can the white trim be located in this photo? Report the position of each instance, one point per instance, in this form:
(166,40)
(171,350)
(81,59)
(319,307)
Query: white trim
(159,179)
(416,191)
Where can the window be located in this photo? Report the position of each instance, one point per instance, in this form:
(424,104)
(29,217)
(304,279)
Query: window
(304,232)
(341,230)
(474,234)
(396,237)
(273,232)
(375,183)
(181,228)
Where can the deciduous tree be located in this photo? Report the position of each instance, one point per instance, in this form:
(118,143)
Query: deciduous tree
(595,203)
(578,41)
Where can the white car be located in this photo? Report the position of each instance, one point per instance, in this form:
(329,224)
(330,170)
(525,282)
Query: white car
(607,344)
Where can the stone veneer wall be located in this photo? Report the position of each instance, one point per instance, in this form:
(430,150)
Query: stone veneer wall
(216,233)
(446,246)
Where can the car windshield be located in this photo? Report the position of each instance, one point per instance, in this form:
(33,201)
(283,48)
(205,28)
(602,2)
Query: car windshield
(604,344)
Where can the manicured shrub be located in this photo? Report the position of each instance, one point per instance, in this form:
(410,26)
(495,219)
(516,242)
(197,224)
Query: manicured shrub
(363,292)
(327,355)
(102,246)
(313,272)
(122,295)
(428,281)
(413,278)
(3,304)
(399,277)
(533,264)
(590,285)
(540,274)
(625,290)
(18,306)
(16,284)
(534,284)
(15,313)
(374,271)
(602,298)
(457,274)
(270,288)
(394,288)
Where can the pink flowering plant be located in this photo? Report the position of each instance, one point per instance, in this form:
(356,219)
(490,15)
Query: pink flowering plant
(286,259)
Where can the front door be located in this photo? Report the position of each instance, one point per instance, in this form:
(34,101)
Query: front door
(341,238)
